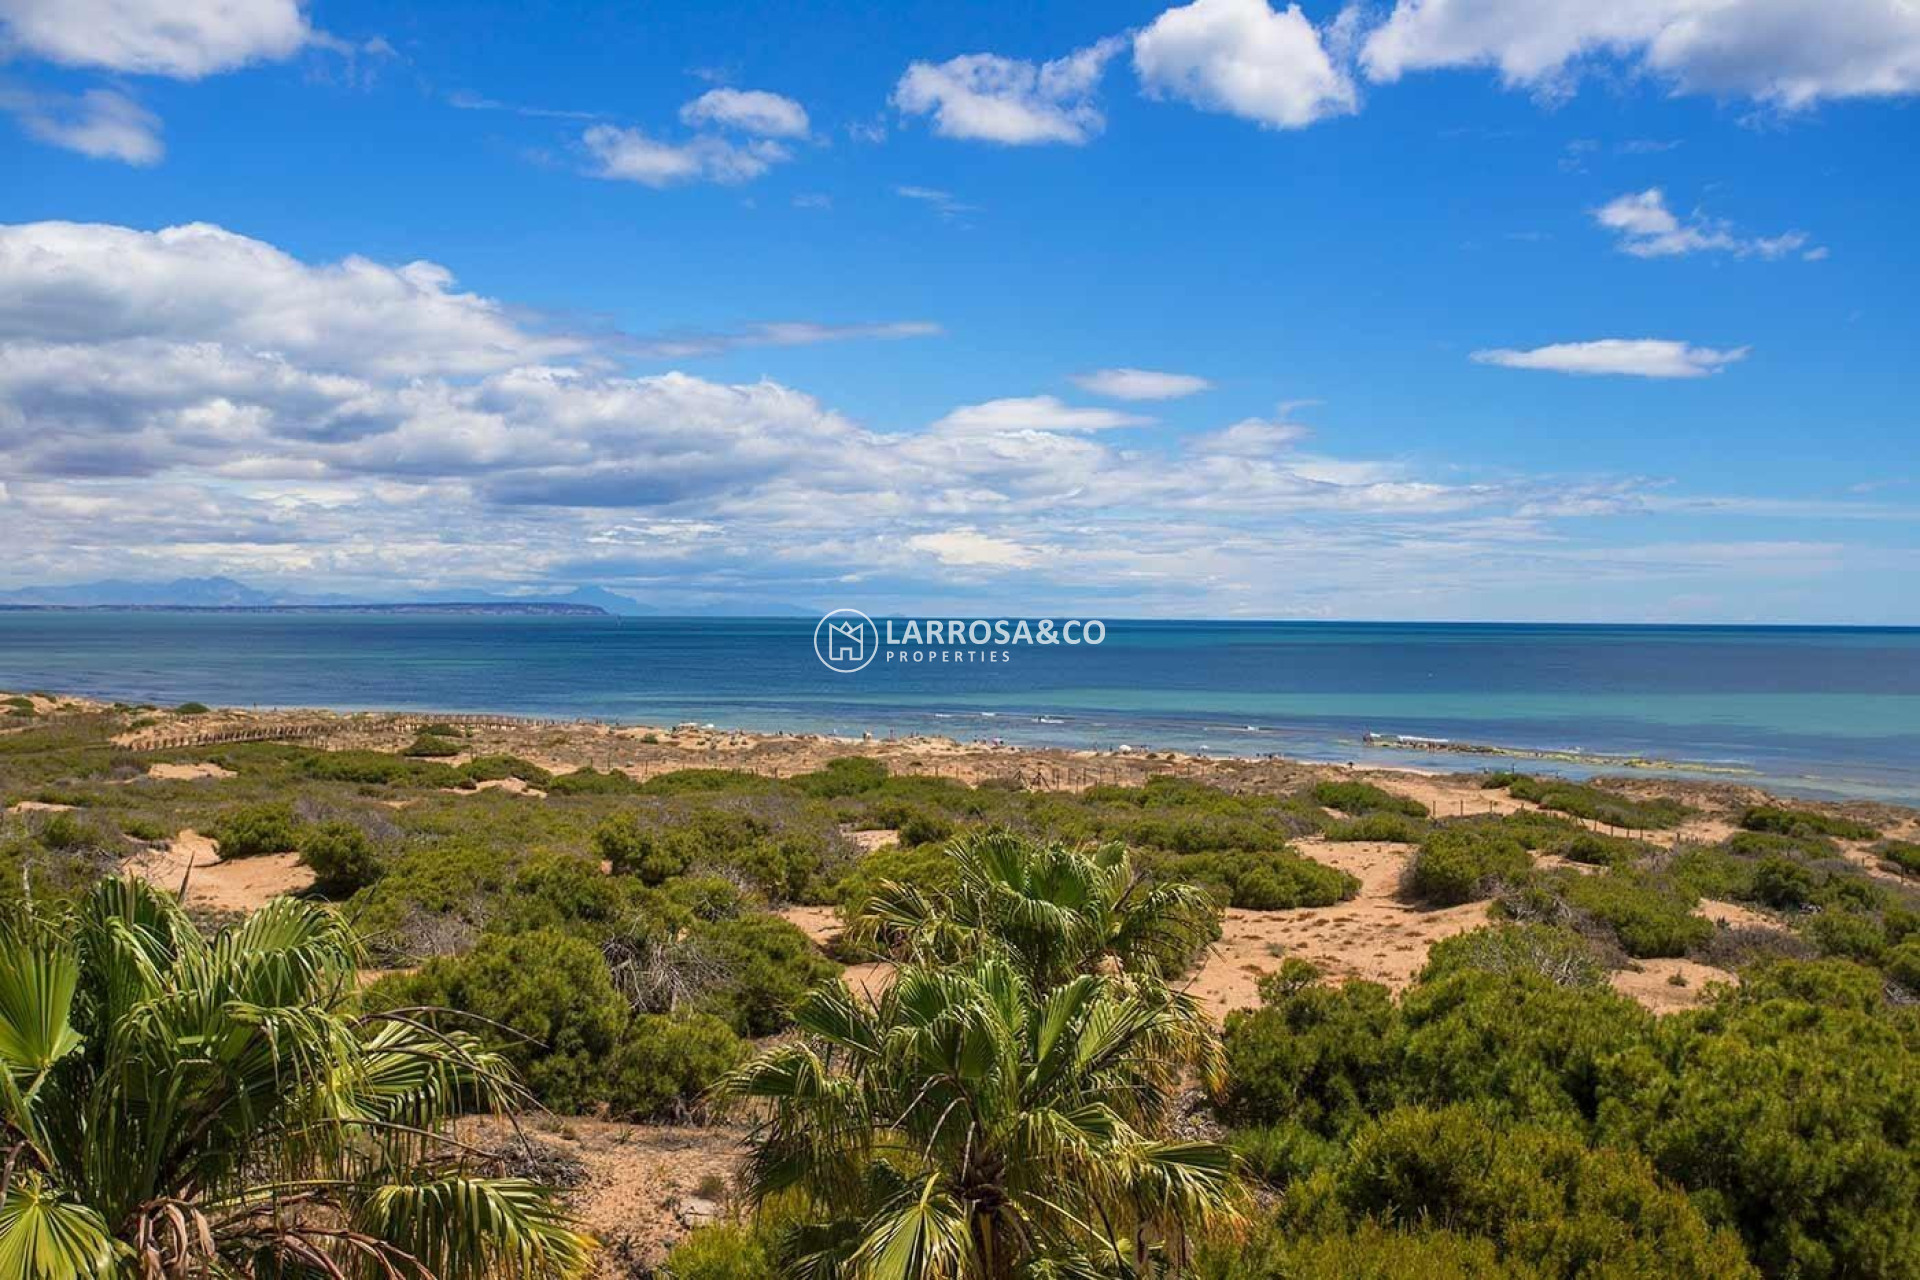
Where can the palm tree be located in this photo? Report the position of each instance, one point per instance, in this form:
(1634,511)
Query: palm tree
(971,1126)
(1050,910)
(183,1106)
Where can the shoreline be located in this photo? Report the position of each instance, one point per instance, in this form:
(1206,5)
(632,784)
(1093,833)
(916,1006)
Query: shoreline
(643,750)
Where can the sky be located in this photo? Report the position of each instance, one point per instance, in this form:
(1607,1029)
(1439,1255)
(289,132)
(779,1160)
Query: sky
(1419,309)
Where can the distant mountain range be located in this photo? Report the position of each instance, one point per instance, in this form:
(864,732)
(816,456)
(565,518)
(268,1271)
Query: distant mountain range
(228,594)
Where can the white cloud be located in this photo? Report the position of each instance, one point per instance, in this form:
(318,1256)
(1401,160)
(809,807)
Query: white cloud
(1246,59)
(989,98)
(99,123)
(90,282)
(969,548)
(193,401)
(1634,357)
(1649,229)
(629,155)
(1784,52)
(1035,413)
(949,206)
(750,111)
(779,333)
(185,39)
(1140,384)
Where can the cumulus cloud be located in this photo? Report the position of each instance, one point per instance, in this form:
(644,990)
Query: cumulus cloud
(989,98)
(99,123)
(1648,229)
(1035,413)
(1783,52)
(193,401)
(185,39)
(1140,384)
(969,548)
(1632,357)
(1243,58)
(630,155)
(748,110)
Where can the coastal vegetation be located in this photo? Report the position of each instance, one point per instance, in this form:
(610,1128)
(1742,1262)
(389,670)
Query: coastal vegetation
(179,1103)
(1018,1079)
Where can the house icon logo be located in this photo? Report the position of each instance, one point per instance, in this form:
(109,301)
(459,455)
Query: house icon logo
(846,640)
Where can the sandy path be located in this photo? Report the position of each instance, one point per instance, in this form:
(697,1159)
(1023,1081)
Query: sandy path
(39,806)
(241,885)
(639,1179)
(1651,984)
(174,772)
(1375,936)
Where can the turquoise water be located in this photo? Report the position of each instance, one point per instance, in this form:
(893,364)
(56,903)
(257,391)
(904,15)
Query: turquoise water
(1828,711)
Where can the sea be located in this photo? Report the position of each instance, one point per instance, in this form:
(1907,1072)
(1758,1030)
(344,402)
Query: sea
(1818,711)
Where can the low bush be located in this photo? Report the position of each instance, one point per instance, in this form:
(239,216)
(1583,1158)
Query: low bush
(191,709)
(1782,883)
(722,1251)
(255,829)
(429,747)
(1356,798)
(1804,822)
(1651,916)
(1561,956)
(377,768)
(1275,880)
(1461,864)
(1397,828)
(1594,849)
(1541,1196)
(341,855)
(589,781)
(1904,854)
(663,1064)
(500,767)
(847,776)
(1598,804)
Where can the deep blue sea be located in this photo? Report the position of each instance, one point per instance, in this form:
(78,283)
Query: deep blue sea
(1821,711)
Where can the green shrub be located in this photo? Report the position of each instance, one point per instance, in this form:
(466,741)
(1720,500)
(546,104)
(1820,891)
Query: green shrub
(543,999)
(428,747)
(1276,880)
(377,768)
(632,848)
(1314,1057)
(1543,1197)
(1904,854)
(925,828)
(1804,822)
(440,730)
(150,830)
(1762,844)
(1855,935)
(1651,916)
(1796,1124)
(846,776)
(1366,1251)
(1598,804)
(1713,873)
(767,965)
(589,781)
(1903,965)
(722,1251)
(1397,828)
(191,709)
(925,867)
(342,857)
(1356,798)
(255,829)
(1460,864)
(1560,956)
(71,832)
(1782,883)
(663,1064)
(498,767)
(1515,1045)
(1596,850)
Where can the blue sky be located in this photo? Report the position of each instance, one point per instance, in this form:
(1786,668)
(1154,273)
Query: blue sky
(1489,310)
